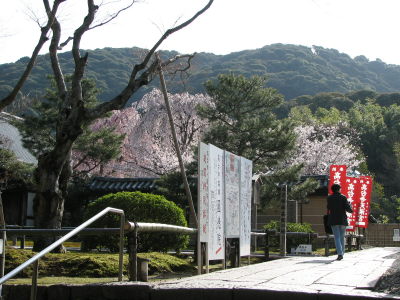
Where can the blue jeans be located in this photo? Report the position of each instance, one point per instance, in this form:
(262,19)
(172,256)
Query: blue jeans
(339,232)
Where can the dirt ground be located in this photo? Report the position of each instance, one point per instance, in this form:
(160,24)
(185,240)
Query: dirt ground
(390,281)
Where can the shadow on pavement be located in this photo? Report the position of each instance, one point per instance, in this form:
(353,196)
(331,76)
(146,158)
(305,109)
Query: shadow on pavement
(316,261)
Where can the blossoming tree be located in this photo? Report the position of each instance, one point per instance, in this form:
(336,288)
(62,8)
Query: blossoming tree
(319,146)
(148,149)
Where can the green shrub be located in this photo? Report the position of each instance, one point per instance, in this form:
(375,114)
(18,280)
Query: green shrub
(138,207)
(290,227)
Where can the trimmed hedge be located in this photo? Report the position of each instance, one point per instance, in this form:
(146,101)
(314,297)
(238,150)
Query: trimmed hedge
(138,207)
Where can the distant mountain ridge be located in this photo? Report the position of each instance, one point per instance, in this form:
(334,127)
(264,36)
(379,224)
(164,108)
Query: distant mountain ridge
(293,70)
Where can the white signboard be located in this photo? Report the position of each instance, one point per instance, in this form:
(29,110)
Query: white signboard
(216,242)
(246,168)
(203,193)
(224,206)
(303,249)
(232,195)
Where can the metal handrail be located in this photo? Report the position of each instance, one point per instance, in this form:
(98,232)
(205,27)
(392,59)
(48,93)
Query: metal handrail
(35,258)
(154,227)
(257,233)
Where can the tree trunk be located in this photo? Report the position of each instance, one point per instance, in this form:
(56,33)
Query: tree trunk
(52,174)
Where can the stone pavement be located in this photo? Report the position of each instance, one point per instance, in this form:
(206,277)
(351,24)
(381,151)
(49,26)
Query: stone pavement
(296,277)
(301,277)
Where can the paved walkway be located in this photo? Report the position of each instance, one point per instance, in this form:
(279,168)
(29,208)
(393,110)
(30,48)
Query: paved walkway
(305,277)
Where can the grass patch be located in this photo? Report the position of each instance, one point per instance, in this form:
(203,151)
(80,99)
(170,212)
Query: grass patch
(166,263)
(96,265)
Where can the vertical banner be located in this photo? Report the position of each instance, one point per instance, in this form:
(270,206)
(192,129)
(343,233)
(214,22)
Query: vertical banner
(353,196)
(365,201)
(337,174)
(232,195)
(246,170)
(216,243)
(203,193)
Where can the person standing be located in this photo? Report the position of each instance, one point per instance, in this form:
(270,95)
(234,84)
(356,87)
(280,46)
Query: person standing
(337,206)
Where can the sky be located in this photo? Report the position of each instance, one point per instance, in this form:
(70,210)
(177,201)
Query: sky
(354,27)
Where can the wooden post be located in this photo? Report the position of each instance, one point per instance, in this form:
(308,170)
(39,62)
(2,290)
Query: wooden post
(132,249)
(23,242)
(199,255)
(178,152)
(237,248)
(326,242)
(358,241)
(349,242)
(34,280)
(266,249)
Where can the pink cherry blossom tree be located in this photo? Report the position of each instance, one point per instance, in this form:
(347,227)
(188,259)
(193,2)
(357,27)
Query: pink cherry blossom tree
(318,146)
(148,148)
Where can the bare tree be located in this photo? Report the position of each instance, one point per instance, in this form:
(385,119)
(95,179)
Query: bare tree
(54,168)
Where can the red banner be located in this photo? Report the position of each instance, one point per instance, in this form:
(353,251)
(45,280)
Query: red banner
(337,174)
(365,201)
(358,192)
(353,192)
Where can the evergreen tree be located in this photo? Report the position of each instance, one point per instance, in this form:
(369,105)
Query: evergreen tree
(242,121)
(379,129)
(14,171)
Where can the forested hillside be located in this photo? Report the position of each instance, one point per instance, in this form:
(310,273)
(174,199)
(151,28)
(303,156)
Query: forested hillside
(293,70)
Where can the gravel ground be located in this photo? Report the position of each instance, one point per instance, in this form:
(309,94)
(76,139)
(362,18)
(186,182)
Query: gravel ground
(390,281)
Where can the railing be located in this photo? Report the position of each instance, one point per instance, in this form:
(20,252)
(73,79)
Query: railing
(154,227)
(35,258)
(132,229)
(349,241)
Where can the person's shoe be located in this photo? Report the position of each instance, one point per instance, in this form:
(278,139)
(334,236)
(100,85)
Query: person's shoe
(340,257)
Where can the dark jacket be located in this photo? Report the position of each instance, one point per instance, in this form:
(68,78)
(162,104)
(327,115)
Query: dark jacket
(337,207)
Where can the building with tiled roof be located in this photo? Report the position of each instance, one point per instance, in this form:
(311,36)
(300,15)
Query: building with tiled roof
(105,185)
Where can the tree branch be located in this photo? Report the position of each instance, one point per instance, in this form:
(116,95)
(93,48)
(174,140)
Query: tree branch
(148,169)
(65,43)
(58,75)
(112,17)
(42,40)
(135,83)
(80,62)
